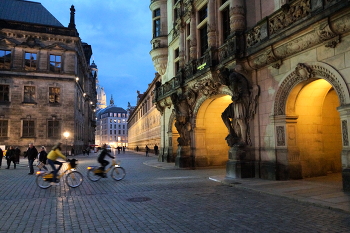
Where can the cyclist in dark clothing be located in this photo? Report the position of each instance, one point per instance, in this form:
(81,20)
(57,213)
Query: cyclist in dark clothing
(101,158)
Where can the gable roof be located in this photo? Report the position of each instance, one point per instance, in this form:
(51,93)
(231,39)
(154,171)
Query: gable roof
(27,11)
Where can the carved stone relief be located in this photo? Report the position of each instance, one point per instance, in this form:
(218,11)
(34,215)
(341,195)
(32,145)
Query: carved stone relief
(280,134)
(344,126)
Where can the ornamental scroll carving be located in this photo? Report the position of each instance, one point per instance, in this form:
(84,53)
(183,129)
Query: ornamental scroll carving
(288,15)
(206,87)
(344,126)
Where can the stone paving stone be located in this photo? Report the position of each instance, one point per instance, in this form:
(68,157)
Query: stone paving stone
(175,200)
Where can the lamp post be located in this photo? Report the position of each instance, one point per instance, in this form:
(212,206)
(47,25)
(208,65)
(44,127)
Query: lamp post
(66,135)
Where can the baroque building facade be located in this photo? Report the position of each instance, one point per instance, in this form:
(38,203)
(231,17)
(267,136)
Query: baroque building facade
(46,85)
(144,121)
(259,86)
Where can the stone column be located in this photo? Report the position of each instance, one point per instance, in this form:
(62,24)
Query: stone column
(193,41)
(182,47)
(237,17)
(211,24)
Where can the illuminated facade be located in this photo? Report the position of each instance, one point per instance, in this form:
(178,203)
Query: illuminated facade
(112,126)
(144,120)
(46,85)
(259,86)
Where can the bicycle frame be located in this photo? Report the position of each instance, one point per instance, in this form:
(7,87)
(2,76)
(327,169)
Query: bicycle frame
(113,164)
(49,175)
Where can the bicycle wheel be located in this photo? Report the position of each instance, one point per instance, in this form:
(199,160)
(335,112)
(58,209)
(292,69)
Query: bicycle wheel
(74,179)
(92,175)
(41,182)
(118,173)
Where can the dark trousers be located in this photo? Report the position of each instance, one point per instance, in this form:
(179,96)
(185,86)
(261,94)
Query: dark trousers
(103,163)
(9,163)
(55,171)
(31,168)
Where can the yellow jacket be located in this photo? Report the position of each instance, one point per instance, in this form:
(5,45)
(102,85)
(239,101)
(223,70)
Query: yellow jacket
(54,154)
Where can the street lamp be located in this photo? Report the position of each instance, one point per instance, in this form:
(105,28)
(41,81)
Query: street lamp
(66,135)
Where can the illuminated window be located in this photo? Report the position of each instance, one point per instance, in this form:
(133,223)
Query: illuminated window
(54,94)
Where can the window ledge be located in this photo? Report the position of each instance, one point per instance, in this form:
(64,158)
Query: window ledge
(29,103)
(55,104)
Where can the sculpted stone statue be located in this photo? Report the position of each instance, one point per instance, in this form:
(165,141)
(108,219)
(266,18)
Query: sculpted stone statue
(237,115)
(182,113)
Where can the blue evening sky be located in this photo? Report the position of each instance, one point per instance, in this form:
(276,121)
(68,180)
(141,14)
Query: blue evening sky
(119,32)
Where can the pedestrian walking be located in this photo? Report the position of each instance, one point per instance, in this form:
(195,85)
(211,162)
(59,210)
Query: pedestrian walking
(17,155)
(155,149)
(88,151)
(42,157)
(1,156)
(137,148)
(147,150)
(123,149)
(31,154)
(72,151)
(10,157)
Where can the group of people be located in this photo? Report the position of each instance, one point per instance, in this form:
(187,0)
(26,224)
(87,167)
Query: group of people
(12,155)
(155,148)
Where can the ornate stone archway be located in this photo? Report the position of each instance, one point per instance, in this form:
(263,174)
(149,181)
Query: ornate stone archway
(285,125)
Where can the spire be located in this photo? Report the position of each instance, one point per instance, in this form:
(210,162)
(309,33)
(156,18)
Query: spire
(72,18)
(111,102)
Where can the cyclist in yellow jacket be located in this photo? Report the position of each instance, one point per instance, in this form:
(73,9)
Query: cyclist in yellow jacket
(52,160)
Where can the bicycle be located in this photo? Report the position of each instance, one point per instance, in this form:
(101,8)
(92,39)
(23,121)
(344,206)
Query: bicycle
(95,173)
(73,178)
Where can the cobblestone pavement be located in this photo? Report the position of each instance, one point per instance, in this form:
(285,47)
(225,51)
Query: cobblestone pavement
(150,199)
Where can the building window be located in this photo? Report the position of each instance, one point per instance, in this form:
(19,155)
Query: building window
(225,23)
(55,63)
(119,115)
(3,128)
(53,129)
(156,23)
(203,13)
(30,61)
(5,59)
(4,93)
(203,39)
(123,126)
(118,131)
(54,94)
(118,121)
(123,131)
(28,128)
(29,94)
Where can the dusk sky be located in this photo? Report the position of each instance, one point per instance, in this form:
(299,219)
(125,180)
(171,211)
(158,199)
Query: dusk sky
(119,32)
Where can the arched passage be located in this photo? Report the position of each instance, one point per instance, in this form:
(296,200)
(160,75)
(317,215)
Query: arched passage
(318,127)
(210,132)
